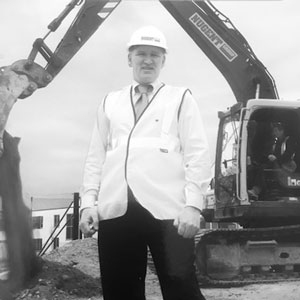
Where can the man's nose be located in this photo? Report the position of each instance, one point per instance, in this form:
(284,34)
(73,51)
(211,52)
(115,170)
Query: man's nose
(148,60)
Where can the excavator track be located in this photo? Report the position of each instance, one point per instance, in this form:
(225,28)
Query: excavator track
(235,257)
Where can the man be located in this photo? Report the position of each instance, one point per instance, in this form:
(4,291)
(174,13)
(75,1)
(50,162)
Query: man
(279,154)
(148,167)
(284,149)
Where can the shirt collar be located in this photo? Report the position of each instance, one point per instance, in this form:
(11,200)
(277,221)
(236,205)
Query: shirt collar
(156,85)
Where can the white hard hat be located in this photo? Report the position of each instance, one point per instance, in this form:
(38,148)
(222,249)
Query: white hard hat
(148,35)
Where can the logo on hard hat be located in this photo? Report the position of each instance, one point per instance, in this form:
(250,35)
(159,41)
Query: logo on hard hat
(148,35)
(150,38)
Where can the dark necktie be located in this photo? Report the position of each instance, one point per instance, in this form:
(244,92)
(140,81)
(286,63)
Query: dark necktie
(143,100)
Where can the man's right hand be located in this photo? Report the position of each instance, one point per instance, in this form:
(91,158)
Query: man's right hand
(89,221)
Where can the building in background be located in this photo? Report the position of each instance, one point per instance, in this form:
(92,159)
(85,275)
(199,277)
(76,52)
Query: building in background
(52,222)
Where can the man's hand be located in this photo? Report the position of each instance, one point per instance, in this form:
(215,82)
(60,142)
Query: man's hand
(89,221)
(188,222)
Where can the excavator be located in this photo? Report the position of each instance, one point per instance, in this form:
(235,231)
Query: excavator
(265,241)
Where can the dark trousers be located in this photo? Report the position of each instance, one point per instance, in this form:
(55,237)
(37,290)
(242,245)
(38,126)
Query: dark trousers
(123,243)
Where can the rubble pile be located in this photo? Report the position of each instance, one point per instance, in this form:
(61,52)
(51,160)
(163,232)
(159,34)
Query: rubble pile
(68,272)
(71,272)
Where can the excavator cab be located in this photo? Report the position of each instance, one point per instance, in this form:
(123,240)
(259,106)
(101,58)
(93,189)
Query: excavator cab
(265,244)
(276,180)
(245,140)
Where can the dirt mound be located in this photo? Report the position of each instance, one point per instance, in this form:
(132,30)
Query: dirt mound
(72,272)
(80,254)
(68,272)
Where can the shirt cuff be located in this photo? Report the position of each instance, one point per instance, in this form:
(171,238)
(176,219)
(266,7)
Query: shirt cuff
(88,200)
(194,199)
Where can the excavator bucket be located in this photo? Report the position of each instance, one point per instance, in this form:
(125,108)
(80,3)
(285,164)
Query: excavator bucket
(16,219)
(22,261)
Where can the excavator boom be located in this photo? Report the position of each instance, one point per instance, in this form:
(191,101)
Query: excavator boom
(225,46)
(213,33)
(87,21)
(90,16)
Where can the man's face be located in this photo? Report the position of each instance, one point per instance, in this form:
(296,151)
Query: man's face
(146,63)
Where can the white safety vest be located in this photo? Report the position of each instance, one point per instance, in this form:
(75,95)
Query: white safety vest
(146,156)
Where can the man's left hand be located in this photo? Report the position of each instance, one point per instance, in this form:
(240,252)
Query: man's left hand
(188,222)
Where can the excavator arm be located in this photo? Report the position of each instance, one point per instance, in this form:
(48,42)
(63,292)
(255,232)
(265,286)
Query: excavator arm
(225,46)
(25,76)
(212,31)
(90,16)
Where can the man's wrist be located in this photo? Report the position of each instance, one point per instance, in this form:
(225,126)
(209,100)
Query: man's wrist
(84,208)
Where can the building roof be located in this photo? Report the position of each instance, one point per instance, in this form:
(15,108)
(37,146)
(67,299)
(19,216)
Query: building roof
(50,203)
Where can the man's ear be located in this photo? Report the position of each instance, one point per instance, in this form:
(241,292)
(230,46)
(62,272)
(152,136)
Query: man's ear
(130,59)
(164,60)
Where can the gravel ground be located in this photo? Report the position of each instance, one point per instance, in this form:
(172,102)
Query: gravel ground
(72,272)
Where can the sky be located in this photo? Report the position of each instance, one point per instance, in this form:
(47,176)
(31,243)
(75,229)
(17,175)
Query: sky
(55,123)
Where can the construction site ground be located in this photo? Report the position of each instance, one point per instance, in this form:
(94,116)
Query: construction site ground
(72,272)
